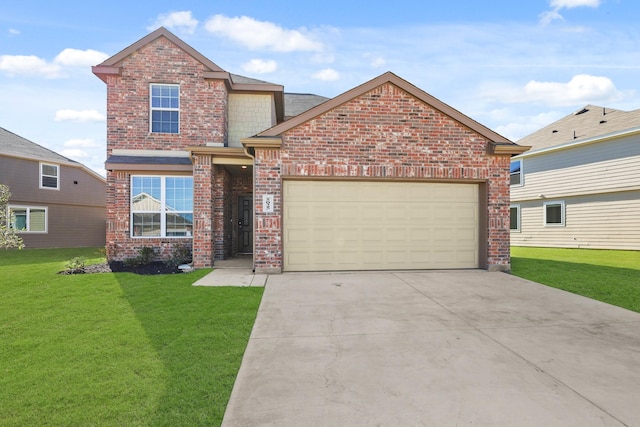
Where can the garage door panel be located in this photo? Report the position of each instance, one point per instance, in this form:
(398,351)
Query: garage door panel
(341,225)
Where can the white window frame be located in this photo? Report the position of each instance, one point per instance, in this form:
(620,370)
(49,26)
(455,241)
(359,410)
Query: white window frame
(163,208)
(28,208)
(152,108)
(521,173)
(562,213)
(518,218)
(42,175)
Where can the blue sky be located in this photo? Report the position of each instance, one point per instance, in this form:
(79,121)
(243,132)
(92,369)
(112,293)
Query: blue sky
(514,66)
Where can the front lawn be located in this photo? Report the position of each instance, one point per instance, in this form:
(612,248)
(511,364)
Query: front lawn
(605,275)
(115,348)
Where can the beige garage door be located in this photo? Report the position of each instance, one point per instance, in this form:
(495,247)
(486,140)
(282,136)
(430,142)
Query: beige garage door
(358,225)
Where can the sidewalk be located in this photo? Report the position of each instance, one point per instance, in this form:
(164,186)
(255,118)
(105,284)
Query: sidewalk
(237,271)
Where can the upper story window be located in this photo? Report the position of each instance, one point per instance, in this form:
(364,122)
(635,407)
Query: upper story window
(49,176)
(516,172)
(161,206)
(554,214)
(165,108)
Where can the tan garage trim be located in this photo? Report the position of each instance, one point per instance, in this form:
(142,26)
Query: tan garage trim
(374,225)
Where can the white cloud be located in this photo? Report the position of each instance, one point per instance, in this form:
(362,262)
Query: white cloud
(80,58)
(261,34)
(570,4)
(581,89)
(556,5)
(13,32)
(84,143)
(259,66)
(378,62)
(523,125)
(75,154)
(79,116)
(28,65)
(183,21)
(328,74)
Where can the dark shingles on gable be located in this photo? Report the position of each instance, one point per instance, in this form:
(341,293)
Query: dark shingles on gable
(16,146)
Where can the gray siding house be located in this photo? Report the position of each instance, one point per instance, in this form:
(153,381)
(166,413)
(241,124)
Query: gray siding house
(56,202)
(579,185)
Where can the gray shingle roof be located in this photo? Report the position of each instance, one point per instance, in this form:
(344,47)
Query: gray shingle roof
(17,146)
(298,103)
(588,122)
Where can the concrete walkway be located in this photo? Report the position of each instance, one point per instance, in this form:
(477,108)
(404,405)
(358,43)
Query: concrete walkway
(435,349)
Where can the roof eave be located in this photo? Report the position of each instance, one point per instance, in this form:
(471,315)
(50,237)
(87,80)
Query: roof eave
(508,148)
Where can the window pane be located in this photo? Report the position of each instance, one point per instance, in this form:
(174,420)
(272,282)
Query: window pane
(18,218)
(515,166)
(37,220)
(179,224)
(515,179)
(554,214)
(145,193)
(179,194)
(49,182)
(513,216)
(146,224)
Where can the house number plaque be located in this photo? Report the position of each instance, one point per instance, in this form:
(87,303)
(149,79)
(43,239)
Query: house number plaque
(267,203)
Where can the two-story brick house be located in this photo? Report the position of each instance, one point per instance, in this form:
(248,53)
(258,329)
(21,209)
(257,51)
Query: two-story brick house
(383,176)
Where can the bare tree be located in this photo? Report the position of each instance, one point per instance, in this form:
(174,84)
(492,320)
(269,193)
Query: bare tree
(8,237)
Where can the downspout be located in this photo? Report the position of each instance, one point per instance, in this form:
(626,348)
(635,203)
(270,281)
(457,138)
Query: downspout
(253,210)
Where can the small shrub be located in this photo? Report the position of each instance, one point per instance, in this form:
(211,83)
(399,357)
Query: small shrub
(181,255)
(75,265)
(145,257)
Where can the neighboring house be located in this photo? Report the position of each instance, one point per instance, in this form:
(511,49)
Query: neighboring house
(384,176)
(579,186)
(55,202)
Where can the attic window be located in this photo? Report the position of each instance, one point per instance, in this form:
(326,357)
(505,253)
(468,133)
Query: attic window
(584,110)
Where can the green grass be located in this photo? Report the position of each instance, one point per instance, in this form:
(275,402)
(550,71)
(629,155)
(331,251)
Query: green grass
(115,348)
(605,275)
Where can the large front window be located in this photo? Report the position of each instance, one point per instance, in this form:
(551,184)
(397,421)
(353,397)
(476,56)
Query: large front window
(161,206)
(165,108)
(28,219)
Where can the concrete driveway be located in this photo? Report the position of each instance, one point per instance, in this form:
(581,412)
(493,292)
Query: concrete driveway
(435,349)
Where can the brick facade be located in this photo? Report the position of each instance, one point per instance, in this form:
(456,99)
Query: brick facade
(383,134)
(389,130)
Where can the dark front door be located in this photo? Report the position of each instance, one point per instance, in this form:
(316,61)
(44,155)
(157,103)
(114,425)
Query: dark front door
(245,224)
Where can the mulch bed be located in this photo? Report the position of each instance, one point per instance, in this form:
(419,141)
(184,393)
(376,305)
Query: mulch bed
(120,267)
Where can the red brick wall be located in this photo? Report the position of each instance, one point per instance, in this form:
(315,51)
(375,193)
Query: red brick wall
(385,133)
(203,214)
(203,118)
(203,104)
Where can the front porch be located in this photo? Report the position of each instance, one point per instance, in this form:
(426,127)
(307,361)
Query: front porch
(223,206)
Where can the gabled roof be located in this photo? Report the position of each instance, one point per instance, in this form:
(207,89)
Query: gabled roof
(12,145)
(297,103)
(584,124)
(234,82)
(115,60)
(500,143)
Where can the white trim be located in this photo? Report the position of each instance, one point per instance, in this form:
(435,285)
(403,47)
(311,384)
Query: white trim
(152,109)
(41,175)
(28,219)
(562,213)
(518,220)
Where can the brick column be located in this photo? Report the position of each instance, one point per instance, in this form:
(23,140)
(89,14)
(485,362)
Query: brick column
(202,211)
(268,232)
